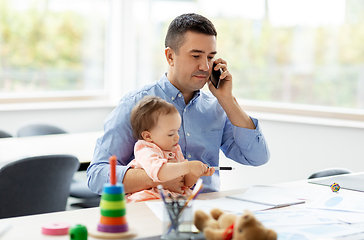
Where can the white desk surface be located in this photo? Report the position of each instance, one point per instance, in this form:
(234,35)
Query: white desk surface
(81,145)
(139,217)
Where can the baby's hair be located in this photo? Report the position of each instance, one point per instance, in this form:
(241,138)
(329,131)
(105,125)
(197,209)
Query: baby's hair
(144,116)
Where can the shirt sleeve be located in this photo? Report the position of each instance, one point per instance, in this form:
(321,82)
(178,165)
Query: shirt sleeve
(246,146)
(117,140)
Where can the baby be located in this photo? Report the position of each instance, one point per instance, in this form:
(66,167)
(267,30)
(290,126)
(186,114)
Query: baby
(155,124)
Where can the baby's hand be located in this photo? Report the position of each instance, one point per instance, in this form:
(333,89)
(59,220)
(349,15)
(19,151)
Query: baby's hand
(197,168)
(209,171)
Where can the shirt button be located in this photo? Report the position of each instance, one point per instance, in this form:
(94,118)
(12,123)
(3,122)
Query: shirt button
(172,98)
(185,110)
(179,95)
(189,156)
(188,134)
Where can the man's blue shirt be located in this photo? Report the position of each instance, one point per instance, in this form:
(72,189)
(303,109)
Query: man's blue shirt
(205,129)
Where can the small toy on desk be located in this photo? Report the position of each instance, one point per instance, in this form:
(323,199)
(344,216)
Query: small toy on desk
(113,222)
(220,225)
(55,229)
(78,232)
(335,187)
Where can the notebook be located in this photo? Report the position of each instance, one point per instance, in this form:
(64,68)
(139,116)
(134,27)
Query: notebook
(351,181)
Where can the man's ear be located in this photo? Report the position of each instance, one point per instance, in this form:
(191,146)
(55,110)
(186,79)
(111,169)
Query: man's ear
(169,56)
(147,136)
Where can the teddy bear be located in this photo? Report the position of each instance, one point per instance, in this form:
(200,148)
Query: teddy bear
(223,226)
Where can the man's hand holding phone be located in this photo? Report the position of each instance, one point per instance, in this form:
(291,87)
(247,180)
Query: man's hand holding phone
(221,80)
(228,102)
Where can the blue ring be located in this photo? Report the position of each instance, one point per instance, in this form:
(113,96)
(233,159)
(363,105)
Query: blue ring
(113,189)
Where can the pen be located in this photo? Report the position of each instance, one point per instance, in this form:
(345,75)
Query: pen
(168,209)
(160,189)
(224,168)
(195,192)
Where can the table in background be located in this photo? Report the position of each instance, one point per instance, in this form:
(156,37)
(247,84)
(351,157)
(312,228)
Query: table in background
(81,145)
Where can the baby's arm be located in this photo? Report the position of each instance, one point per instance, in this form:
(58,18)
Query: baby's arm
(172,170)
(190,180)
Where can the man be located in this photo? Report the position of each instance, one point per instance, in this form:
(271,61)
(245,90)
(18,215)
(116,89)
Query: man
(210,120)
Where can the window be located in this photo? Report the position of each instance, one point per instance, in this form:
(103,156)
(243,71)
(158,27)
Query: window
(283,54)
(52,48)
(306,54)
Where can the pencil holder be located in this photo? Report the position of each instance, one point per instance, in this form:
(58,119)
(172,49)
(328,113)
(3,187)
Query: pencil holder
(177,221)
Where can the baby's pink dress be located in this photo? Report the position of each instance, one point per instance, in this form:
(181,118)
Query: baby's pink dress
(150,157)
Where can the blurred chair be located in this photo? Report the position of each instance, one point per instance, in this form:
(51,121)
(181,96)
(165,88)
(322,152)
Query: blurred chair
(4,134)
(36,185)
(329,172)
(78,189)
(38,129)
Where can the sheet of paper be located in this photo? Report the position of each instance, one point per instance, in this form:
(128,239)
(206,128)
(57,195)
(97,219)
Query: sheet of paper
(157,207)
(233,205)
(307,193)
(296,217)
(329,231)
(340,201)
(226,204)
(258,195)
(343,216)
(306,223)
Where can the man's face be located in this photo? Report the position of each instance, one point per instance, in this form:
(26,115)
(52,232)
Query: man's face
(192,65)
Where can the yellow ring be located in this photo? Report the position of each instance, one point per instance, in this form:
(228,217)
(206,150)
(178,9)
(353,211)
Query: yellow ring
(112,205)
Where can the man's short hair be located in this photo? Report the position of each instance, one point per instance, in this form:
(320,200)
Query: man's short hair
(187,22)
(144,116)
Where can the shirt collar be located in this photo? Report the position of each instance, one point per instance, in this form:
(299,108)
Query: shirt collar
(171,91)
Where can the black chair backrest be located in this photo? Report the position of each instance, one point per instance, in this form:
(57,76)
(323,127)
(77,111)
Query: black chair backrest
(36,185)
(4,134)
(329,172)
(38,129)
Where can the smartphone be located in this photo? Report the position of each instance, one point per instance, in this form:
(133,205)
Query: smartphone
(215,76)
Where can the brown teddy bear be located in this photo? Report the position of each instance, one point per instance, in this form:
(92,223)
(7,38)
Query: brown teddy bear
(223,226)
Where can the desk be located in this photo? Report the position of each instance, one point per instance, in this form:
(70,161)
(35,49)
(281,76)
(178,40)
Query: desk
(139,217)
(81,145)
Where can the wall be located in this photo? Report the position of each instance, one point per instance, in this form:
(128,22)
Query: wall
(297,149)
(72,118)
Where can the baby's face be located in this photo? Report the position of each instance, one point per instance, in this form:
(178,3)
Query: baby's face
(165,134)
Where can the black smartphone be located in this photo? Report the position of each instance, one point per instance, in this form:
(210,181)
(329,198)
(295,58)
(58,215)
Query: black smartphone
(215,76)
